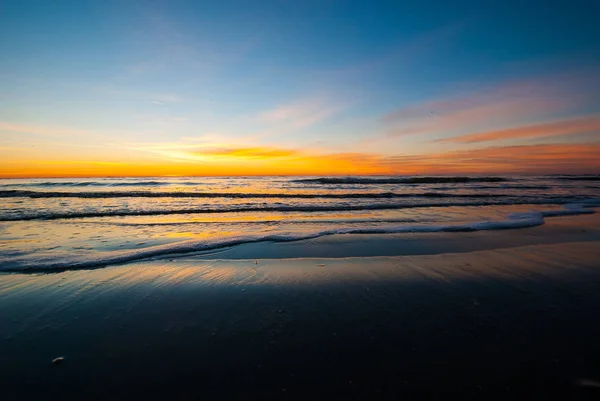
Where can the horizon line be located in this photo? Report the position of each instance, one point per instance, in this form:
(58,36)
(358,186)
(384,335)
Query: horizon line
(524,174)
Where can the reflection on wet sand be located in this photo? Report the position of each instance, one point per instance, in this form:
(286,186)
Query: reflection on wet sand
(508,314)
(519,264)
(470,324)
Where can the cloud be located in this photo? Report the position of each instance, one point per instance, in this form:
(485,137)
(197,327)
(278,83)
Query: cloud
(195,151)
(492,108)
(530,159)
(267,159)
(554,128)
(303,113)
(248,153)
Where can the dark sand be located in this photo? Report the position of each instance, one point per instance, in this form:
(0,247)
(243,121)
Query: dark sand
(501,315)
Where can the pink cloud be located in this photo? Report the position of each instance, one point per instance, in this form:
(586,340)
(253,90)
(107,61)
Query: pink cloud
(554,128)
(498,106)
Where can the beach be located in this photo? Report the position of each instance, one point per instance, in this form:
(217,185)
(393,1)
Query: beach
(506,314)
(299,200)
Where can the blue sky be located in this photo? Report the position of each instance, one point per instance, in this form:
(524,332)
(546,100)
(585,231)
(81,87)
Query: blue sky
(163,82)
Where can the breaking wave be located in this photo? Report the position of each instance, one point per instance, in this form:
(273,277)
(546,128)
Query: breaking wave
(32,263)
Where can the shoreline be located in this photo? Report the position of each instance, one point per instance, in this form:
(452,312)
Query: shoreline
(554,229)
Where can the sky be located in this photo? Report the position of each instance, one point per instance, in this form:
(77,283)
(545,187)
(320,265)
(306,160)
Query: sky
(161,88)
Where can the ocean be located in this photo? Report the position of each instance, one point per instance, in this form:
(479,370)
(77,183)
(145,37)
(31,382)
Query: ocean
(61,224)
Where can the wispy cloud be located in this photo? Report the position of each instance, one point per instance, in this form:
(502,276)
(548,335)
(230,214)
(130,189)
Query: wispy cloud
(251,153)
(303,113)
(271,159)
(562,127)
(200,150)
(211,153)
(492,108)
(530,159)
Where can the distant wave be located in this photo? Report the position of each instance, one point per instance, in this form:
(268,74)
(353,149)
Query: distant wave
(100,184)
(498,187)
(180,194)
(323,180)
(396,180)
(579,178)
(267,221)
(278,208)
(32,264)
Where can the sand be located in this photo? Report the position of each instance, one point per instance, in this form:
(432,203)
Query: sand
(495,315)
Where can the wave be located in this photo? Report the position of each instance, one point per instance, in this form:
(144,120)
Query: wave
(514,221)
(279,208)
(579,178)
(89,184)
(267,221)
(503,187)
(397,180)
(180,194)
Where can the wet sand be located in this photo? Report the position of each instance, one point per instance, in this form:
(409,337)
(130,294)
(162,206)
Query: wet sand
(502,315)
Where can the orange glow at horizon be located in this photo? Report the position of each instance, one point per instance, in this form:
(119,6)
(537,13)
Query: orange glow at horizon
(233,162)
(559,158)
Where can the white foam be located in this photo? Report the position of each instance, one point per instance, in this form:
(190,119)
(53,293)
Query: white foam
(33,263)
